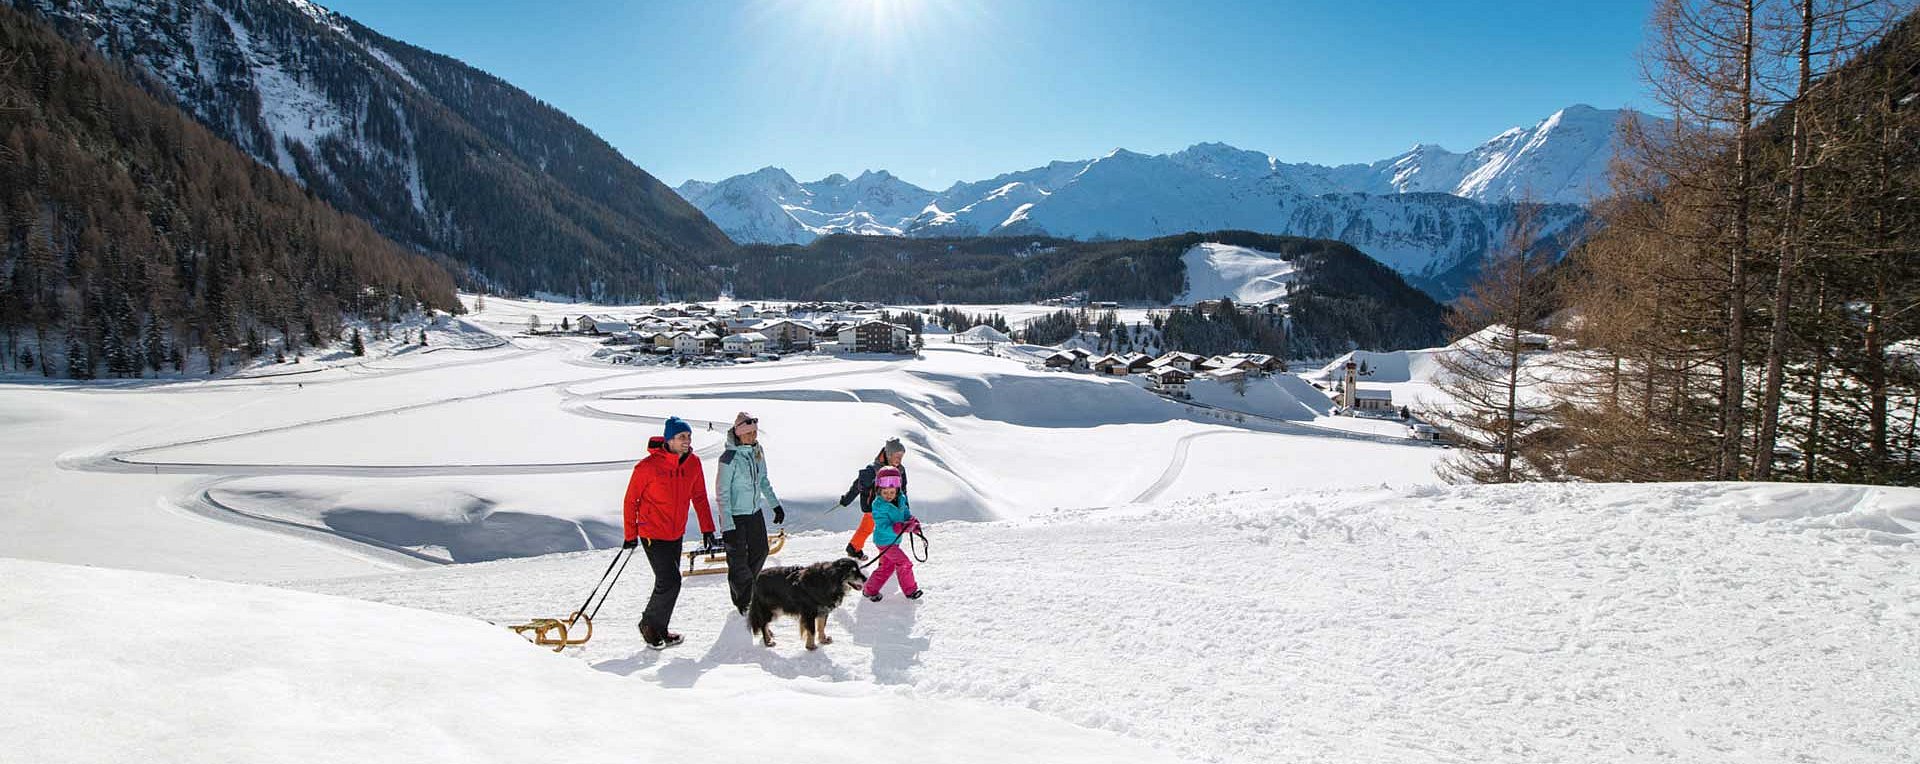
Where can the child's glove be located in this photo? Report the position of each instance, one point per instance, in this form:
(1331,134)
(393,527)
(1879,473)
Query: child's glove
(912,525)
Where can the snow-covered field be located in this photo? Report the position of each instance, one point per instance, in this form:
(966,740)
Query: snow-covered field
(1114,576)
(1246,275)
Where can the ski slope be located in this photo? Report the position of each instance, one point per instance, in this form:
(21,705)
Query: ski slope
(1223,270)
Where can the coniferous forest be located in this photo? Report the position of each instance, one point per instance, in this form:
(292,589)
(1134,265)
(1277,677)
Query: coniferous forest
(1749,307)
(132,239)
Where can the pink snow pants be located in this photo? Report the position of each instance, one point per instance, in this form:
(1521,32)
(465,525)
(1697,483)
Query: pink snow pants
(893,559)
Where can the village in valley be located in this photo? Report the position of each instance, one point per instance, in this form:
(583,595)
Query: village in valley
(728,332)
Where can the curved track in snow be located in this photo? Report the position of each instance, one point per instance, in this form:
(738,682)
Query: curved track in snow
(1176,465)
(198,499)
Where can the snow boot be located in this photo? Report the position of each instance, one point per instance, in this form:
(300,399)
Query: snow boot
(873,598)
(660,641)
(856,552)
(916,594)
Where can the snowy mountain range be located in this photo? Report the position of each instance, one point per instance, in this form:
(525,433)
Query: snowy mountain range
(1429,213)
(435,154)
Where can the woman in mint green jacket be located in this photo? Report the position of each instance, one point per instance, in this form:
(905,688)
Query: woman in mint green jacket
(742,494)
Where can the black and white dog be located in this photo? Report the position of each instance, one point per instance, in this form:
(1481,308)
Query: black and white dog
(808,593)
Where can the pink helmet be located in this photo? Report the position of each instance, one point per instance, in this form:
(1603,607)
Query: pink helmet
(888,477)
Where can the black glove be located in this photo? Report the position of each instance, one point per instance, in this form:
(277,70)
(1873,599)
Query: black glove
(848,499)
(779,514)
(706,540)
(631,543)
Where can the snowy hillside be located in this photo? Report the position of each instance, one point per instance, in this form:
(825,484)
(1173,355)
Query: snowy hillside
(435,154)
(1224,270)
(1560,160)
(768,205)
(1485,624)
(163,669)
(1683,622)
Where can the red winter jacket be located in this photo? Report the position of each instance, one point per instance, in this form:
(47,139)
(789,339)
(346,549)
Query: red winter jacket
(658,493)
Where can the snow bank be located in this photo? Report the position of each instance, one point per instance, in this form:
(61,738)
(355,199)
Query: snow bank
(1223,270)
(113,666)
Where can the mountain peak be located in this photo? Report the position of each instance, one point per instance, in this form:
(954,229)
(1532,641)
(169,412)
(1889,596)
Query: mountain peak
(1211,147)
(770,172)
(1212,184)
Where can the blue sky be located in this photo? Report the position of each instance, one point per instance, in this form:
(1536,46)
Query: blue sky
(944,90)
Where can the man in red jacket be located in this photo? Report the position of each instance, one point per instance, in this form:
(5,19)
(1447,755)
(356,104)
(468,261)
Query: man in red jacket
(656,513)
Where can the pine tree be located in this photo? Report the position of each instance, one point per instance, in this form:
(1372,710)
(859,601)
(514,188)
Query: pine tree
(79,364)
(359,347)
(155,346)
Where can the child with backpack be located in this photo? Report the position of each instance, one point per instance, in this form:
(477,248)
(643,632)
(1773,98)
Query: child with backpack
(893,521)
(891,455)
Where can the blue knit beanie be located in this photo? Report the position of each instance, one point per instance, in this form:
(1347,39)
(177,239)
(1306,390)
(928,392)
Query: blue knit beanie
(675,426)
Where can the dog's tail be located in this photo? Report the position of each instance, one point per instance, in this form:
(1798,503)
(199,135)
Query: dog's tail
(758,617)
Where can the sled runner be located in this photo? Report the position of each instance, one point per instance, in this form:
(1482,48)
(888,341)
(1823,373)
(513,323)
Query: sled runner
(713,559)
(555,632)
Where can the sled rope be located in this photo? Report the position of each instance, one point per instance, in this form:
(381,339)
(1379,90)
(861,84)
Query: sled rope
(623,557)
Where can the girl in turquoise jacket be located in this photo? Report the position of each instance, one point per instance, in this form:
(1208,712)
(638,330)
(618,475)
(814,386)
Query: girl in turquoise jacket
(892,521)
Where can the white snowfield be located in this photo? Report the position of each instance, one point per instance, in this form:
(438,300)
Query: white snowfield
(1113,577)
(1246,275)
(106,666)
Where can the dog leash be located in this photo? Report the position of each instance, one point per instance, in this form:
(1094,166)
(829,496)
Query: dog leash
(917,552)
